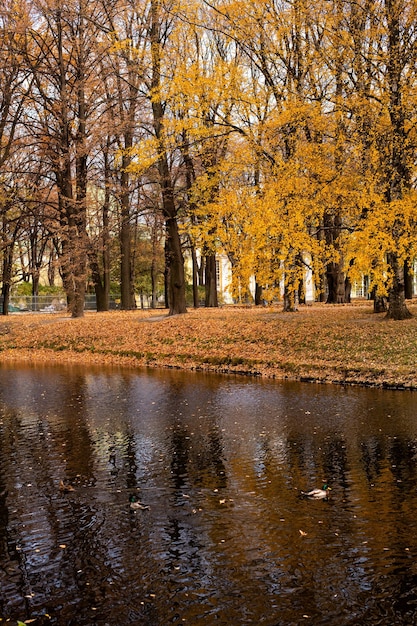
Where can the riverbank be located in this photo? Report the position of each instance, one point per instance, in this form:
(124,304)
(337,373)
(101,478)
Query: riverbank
(346,344)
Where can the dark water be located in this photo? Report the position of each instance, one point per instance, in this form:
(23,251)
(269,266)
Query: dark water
(220,462)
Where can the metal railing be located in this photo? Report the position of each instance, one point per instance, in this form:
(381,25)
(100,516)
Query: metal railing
(58,302)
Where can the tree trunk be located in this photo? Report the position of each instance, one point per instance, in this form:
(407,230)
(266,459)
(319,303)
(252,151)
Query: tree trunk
(78,223)
(335,277)
(211,299)
(290,300)
(102,296)
(166,273)
(201,271)
(348,290)
(154,283)
(335,284)
(196,298)
(77,309)
(102,299)
(5,292)
(408,281)
(125,237)
(258,294)
(72,212)
(397,309)
(380,304)
(35,282)
(398,170)
(173,254)
(101,279)
(176,283)
(7,277)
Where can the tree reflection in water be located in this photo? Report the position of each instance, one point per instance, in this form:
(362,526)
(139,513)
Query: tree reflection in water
(220,462)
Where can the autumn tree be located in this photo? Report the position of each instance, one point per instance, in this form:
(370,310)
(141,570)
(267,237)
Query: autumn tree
(61,55)
(156,152)
(383,240)
(400,17)
(14,93)
(160,25)
(124,70)
(208,80)
(278,121)
(101,222)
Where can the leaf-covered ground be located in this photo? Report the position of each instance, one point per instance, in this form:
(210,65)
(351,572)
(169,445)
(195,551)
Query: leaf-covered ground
(348,344)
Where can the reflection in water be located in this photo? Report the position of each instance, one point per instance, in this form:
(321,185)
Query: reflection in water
(220,462)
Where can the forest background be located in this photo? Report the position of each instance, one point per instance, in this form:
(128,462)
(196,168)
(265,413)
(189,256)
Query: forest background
(280,133)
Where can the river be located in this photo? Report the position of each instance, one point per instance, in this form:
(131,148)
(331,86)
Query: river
(218,463)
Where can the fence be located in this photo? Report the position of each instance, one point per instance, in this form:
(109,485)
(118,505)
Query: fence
(58,302)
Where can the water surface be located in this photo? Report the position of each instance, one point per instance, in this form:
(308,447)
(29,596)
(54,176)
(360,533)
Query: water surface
(220,463)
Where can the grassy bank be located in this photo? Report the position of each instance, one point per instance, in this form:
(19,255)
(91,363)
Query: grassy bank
(341,344)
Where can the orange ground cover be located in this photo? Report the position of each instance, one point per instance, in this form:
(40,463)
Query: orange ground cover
(344,344)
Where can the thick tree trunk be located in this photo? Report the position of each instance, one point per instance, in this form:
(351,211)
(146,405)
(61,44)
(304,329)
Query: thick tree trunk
(258,294)
(335,284)
(176,283)
(5,292)
(397,309)
(380,304)
(102,298)
(64,271)
(290,300)
(335,276)
(348,290)
(79,295)
(7,278)
(35,282)
(102,295)
(211,298)
(166,273)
